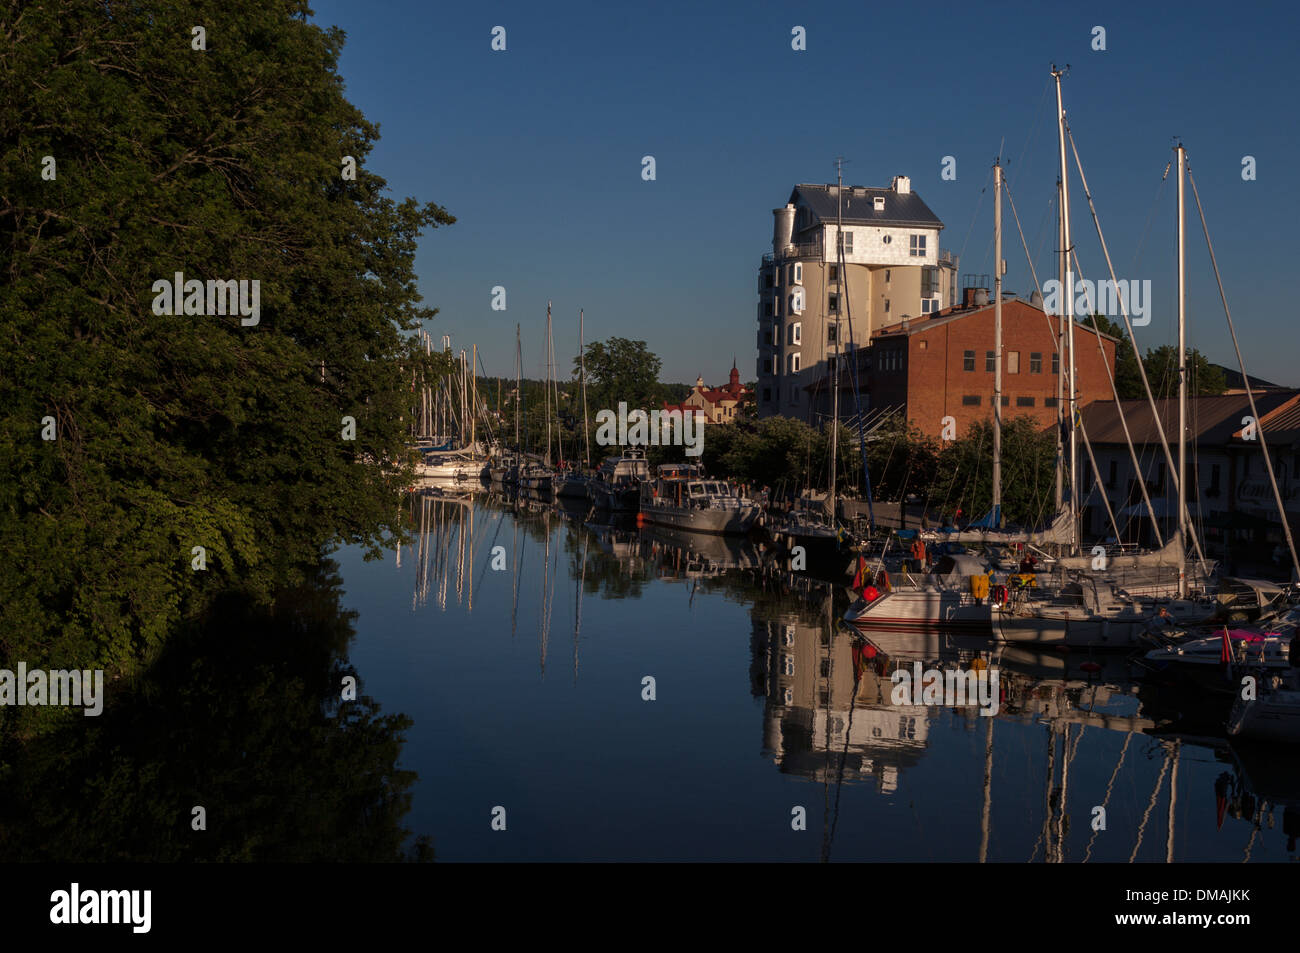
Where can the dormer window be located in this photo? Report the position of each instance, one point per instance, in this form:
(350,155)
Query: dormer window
(878,203)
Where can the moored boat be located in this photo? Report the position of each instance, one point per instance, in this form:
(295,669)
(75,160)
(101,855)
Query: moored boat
(682,497)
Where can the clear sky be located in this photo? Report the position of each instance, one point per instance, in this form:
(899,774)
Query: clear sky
(537,152)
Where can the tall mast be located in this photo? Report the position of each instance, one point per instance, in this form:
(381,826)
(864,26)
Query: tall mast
(997,343)
(1060,370)
(1067,289)
(835,377)
(1182,385)
(582,372)
(473,410)
(547,387)
(519,392)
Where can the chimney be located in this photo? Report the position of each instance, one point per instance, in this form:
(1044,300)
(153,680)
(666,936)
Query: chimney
(981,297)
(902,185)
(783,229)
(906,322)
(968,297)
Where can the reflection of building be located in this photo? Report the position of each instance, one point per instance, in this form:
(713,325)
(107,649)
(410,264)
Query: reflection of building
(714,405)
(812,717)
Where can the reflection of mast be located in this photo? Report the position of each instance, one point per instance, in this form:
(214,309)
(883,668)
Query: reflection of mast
(577,609)
(1173,803)
(1164,769)
(544,615)
(988,793)
(514,602)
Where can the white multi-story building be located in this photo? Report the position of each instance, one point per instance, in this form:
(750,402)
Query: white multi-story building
(811,308)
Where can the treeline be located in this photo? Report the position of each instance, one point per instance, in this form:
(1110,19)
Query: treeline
(149,463)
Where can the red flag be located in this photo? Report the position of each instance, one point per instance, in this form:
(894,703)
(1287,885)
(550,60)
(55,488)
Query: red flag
(857,579)
(1225,656)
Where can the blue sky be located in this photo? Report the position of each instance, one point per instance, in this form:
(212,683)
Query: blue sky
(537,152)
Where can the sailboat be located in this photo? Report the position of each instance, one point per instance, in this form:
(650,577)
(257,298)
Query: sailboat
(467,463)
(569,482)
(536,476)
(1091,610)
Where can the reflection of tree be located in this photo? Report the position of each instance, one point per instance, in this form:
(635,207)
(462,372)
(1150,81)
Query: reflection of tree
(242,715)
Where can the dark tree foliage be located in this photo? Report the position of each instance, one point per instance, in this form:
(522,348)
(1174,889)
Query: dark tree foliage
(243,715)
(183,431)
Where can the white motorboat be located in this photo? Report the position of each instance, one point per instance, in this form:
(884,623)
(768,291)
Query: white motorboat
(682,497)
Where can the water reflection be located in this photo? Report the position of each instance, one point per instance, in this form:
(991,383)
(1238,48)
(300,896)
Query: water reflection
(1076,739)
(242,716)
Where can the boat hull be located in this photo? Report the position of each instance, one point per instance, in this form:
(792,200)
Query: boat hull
(937,610)
(719,521)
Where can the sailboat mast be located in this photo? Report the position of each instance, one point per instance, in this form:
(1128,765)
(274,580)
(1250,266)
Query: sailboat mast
(1182,384)
(473,412)
(547,387)
(1067,290)
(997,343)
(835,377)
(582,372)
(519,392)
(1060,371)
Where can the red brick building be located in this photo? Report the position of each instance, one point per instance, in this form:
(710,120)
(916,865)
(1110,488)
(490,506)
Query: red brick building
(941,365)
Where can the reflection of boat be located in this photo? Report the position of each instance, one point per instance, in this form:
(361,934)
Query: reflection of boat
(696,554)
(939,601)
(1273,715)
(617,484)
(570,484)
(684,498)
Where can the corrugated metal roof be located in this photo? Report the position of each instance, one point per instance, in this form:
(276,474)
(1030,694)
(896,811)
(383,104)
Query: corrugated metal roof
(1210,420)
(859,206)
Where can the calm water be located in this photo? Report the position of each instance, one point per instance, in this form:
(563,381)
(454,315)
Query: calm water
(525,685)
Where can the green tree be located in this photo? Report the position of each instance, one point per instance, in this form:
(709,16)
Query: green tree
(1161,364)
(619,369)
(187,430)
(965,468)
(1128,382)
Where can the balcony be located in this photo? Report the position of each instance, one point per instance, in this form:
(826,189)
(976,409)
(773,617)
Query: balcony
(792,252)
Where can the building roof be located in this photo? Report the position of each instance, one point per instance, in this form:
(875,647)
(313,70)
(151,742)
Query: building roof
(1282,423)
(859,206)
(1211,420)
(1013,309)
(1235,381)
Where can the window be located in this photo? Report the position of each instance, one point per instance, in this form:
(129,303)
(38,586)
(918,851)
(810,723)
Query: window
(1035,362)
(929,281)
(833,303)
(990,361)
(767,395)
(1213,489)
(834,273)
(770,310)
(1013,362)
(770,278)
(1024,401)
(929,305)
(797,267)
(886,306)
(796,301)
(794,394)
(832,365)
(1049,401)
(776,303)
(794,363)
(922,345)
(886,239)
(1113,475)
(971,400)
(1006,401)
(1056,363)
(766,367)
(888,272)
(917,249)
(878,203)
(776,334)
(846,239)
(832,334)
(796,333)
(968,360)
